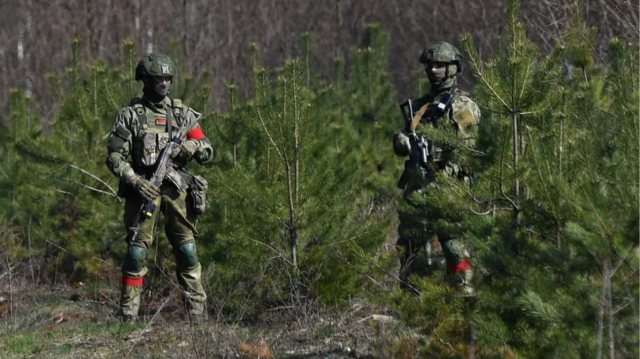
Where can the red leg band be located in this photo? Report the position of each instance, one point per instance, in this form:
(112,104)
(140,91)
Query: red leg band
(132,282)
(464,265)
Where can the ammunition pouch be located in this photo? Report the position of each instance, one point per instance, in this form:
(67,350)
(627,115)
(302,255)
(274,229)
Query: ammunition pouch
(174,177)
(198,194)
(146,149)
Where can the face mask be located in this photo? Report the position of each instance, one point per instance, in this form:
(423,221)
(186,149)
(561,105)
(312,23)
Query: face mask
(158,85)
(439,75)
(436,76)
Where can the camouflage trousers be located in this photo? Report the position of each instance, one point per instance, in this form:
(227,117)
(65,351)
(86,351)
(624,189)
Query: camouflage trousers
(180,229)
(424,249)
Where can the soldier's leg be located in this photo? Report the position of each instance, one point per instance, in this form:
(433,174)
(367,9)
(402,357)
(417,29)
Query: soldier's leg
(412,240)
(181,231)
(134,267)
(459,272)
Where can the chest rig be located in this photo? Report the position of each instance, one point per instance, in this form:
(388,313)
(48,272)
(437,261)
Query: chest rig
(436,112)
(152,135)
(433,109)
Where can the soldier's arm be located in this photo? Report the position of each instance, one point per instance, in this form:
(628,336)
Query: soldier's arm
(466,115)
(401,143)
(401,140)
(119,147)
(204,152)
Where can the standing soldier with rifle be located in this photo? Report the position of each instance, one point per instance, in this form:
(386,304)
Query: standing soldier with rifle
(443,108)
(161,135)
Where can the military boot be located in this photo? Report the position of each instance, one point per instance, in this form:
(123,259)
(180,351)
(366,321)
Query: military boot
(193,293)
(197,316)
(128,319)
(130,298)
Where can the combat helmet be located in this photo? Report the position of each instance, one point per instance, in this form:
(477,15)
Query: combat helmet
(442,51)
(155,65)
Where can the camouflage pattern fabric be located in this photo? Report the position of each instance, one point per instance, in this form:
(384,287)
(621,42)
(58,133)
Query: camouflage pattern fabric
(128,135)
(155,65)
(421,246)
(440,51)
(140,132)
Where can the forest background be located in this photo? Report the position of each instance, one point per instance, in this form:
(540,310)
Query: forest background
(302,192)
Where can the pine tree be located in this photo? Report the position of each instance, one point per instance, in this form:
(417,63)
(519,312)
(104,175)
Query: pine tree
(293,206)
(552,213)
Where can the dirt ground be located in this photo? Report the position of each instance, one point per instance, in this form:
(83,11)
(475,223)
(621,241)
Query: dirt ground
(78,322)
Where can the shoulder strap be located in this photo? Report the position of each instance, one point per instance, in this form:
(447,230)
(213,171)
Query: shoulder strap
(456,96)
(142,114)
(169,110)
(417,117)
(178,111)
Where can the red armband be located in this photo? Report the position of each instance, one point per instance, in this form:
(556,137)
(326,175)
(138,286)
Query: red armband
(196,134)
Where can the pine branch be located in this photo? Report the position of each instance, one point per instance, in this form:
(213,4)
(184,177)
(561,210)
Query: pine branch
(38,155)
(113,193)
(478,71)
(501,180)
(623,258)
(264,210)
(266,130)
(97,190)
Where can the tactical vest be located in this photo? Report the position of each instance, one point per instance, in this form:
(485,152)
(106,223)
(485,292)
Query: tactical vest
(434,111)
(152,135)
(433,114)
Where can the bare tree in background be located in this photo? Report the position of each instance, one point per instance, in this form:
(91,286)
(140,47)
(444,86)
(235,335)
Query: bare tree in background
(216,35)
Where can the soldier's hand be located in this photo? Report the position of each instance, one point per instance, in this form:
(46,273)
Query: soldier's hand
(402,143)
(144,188)
(186,150)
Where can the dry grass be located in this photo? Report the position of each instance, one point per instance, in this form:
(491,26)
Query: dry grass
(56,321)
(48,313)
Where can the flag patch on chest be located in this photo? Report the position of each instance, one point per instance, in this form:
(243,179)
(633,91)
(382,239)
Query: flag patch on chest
(161,122)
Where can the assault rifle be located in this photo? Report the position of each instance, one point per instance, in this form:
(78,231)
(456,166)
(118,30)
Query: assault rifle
(419,155)
(164,162)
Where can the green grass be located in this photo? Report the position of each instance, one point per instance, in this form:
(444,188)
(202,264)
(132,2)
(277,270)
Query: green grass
(59,341)
(112,329)
(64,349)
(21,343)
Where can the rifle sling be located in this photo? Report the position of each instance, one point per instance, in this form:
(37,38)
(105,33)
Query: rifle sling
(417,117)
(170,119)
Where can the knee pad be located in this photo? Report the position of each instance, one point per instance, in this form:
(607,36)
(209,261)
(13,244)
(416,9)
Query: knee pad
(134,260)
(186,255)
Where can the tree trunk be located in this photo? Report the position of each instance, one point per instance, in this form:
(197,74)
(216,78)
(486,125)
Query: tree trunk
(609,306)
(600,317)
(516,185)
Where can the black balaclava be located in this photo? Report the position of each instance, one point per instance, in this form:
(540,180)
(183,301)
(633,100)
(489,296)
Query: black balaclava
(155,89)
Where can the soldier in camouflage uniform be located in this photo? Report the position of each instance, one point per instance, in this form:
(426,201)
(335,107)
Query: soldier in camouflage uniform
(444,105)
(141,131)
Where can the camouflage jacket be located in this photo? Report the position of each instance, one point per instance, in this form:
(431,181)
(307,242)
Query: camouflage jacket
(140,132)
(460,117)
